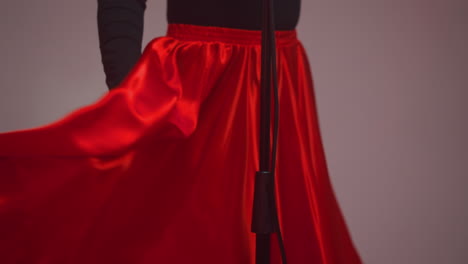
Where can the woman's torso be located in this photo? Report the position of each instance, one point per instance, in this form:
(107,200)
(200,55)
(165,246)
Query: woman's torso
(244,14)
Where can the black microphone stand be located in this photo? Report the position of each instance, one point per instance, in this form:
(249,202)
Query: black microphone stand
(265,218)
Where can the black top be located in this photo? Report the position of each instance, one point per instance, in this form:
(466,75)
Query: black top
(120,25)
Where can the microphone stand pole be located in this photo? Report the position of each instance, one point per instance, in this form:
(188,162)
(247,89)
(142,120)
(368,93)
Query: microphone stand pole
(265,219)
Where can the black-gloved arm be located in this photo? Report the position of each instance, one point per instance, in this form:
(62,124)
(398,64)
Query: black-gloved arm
(120,29)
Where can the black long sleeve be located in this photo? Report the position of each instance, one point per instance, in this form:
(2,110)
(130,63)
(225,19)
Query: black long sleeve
(120,29)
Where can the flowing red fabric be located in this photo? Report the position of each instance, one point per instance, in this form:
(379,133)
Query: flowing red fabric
(161,169)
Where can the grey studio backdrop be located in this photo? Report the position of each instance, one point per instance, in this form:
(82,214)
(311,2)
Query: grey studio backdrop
(391,87)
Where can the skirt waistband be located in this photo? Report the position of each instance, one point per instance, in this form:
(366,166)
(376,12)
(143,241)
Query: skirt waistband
(228,35)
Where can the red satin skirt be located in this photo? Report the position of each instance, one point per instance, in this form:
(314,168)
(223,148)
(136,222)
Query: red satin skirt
(161,169)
